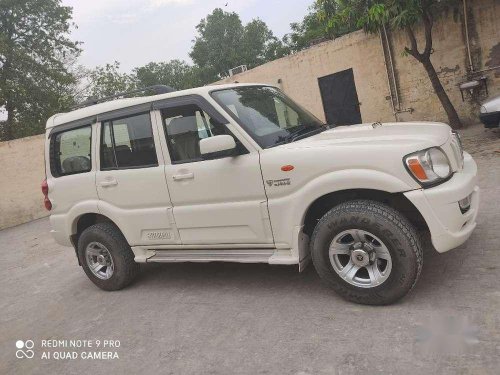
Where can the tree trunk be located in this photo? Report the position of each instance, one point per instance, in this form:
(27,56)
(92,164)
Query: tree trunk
(425,59)
(453,119)
(8,133)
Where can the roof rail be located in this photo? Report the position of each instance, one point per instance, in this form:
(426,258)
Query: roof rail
(157,89)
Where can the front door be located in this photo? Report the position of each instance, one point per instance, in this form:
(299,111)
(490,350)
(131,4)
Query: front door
(340,99)
(220,201)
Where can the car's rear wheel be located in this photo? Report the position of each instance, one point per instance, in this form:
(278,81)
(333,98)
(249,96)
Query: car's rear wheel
(367,252)
(106,257)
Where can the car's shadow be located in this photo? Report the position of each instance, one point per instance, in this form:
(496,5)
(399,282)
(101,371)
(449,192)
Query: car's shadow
(234,275)
(259,278)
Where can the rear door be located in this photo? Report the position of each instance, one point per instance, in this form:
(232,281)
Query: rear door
(131,181)
(340,98)
(71,169)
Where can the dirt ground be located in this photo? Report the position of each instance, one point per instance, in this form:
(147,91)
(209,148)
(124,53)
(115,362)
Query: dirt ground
(256,319)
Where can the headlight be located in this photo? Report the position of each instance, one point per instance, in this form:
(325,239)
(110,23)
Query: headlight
(429,167)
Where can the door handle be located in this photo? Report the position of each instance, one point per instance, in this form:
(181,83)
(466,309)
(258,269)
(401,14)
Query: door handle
(185,176)
(108,183)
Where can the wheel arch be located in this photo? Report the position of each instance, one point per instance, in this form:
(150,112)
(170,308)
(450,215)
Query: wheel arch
(319,207)
(85,221)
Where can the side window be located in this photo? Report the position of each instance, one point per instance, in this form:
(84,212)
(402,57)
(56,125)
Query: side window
(128,143)
(72,152)
(185,126)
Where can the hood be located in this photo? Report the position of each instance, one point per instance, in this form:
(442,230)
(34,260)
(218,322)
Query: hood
(415,135)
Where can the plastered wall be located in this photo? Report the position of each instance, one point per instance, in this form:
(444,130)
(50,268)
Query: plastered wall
(21,161)
(21,174)
(298,74)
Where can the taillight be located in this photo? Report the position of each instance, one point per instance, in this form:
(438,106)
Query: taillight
(45,190)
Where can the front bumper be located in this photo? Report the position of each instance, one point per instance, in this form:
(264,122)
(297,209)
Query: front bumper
(448,226)
(490,120)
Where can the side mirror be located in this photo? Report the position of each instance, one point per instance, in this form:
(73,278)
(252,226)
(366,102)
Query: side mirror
(218,146)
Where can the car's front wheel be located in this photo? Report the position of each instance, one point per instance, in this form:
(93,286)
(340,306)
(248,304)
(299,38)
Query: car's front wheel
(367,252)
(106,257)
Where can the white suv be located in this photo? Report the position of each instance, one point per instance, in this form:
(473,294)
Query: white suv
(241,173)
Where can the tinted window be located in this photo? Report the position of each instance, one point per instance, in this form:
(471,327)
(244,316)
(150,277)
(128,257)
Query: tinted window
(185,127)
(72,151)
(268,115)
(128,143)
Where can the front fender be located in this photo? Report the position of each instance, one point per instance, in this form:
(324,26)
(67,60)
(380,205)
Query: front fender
(289,211)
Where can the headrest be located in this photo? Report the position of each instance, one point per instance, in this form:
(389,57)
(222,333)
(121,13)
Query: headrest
(182,125)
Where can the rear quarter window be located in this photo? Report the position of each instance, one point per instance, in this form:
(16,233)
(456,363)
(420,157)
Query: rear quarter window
(71,151)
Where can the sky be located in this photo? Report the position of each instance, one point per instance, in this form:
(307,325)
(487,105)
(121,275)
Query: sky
(136,32)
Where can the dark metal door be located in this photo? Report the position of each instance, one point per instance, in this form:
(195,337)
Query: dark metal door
(340,99)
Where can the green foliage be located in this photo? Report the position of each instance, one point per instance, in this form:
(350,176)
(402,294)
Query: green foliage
(305,33)
(254,44)
(372,14)
(315,27)
(34,53)
(175,73)
(107,80)
(224,43)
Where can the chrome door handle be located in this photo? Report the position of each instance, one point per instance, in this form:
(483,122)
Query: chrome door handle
(186,176)
(108,183)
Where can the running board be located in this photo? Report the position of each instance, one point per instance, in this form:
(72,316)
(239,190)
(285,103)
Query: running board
(203,256)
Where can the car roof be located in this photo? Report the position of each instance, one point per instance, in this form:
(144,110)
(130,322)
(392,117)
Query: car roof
(112,105)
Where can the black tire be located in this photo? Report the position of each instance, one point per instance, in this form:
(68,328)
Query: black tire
(125,268)
(392,228)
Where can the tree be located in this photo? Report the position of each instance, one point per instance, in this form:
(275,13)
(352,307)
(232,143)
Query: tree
(309,31)
(314,29)
(107,80)
(224,43)
(258,44)
(216,46)
(306,33)
(277,49)
(404,15)
(34,49)
(175,73)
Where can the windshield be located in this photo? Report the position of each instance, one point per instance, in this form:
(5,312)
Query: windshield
(270,117)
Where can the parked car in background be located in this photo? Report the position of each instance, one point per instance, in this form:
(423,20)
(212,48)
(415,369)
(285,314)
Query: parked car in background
(490,113)
(241,173)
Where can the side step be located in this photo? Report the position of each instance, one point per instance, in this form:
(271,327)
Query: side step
(203,256)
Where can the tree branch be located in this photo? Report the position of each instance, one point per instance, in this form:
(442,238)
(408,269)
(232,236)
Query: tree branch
(414,46)
(428,23)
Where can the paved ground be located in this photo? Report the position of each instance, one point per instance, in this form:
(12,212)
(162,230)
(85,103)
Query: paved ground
(258,319)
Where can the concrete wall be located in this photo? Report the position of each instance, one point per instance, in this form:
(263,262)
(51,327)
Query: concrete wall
(21,173)
(363,53)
